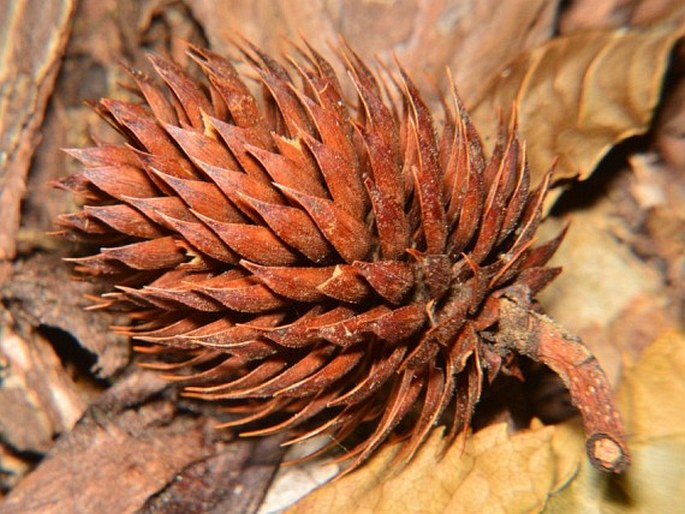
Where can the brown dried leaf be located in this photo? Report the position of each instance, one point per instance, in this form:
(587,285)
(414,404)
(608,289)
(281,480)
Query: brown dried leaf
(595,14)
(163,460)
(467,35)
(580,95)
(494,471)
(651,12)
(132,445)
(54,301)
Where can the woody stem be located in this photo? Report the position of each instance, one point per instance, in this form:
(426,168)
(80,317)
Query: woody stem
(538,337)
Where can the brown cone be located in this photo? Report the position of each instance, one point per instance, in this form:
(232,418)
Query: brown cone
(317,265)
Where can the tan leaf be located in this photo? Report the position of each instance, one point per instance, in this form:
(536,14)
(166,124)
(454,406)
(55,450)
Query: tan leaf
(580,95)
(494,472)
(651,396)
(649,390)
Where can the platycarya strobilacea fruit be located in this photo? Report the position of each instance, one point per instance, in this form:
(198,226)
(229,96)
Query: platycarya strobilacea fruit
(319,264)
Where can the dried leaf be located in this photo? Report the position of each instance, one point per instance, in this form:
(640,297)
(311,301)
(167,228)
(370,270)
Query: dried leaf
(580,95)
(494,472)
(466,36)
(651,386)
(594,14)
(53,301)
(133,437)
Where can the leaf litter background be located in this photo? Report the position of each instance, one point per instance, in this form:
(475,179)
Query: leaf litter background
(599,85)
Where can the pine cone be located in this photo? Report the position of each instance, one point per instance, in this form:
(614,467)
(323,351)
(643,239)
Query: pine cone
(318,264)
